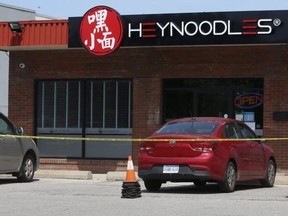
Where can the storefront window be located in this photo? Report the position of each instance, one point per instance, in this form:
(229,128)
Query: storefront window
(108,104)
(103,107)
(248,107)
(237,98)
(59,104)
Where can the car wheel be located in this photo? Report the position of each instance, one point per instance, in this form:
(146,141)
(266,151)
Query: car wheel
(152,185)
(27,169)
(270,175)
(228,185)
(199,183)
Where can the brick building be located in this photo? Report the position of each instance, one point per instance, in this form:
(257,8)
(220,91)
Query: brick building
(59,91)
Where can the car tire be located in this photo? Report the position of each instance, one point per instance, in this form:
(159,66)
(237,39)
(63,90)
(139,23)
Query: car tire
(270,175)
(152,185)
(229,182)
(27,169)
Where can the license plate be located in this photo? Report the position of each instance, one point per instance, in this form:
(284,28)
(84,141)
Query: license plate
(170,168)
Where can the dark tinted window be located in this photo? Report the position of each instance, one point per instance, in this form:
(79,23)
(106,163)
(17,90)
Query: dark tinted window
(246,132)
(231,131)
(5,128)
(188,128)
(60,104)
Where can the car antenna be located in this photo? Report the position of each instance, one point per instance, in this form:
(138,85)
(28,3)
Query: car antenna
(192,117)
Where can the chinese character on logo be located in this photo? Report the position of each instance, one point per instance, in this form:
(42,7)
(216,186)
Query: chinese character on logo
(107,42)
(100,19)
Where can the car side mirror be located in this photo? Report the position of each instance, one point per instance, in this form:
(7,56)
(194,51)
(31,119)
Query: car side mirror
(20,131)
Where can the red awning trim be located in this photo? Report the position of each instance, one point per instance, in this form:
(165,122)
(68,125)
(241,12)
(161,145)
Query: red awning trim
(36,34)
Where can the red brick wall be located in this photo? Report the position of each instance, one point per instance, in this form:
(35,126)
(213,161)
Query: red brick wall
(147,67)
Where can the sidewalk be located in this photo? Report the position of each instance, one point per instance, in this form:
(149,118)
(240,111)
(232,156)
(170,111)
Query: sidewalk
(281,178)
(81,175)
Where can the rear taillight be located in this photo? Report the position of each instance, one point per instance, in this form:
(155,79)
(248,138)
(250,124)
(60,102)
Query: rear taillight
(203,147)
(146,147)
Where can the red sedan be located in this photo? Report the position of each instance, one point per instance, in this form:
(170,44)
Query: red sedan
(193,149)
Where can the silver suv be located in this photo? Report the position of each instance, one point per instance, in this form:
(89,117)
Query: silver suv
(18,156)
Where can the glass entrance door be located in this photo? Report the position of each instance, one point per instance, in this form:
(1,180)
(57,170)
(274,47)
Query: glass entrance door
(213,98)
(212,104)
(178,104)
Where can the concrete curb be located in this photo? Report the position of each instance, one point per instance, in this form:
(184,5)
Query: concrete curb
(119,176)
(64,174)
(115,176)
(281,180)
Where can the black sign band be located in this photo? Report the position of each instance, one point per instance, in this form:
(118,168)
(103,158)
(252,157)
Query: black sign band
(255,27)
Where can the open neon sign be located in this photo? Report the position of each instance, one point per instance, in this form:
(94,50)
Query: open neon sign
(248,100)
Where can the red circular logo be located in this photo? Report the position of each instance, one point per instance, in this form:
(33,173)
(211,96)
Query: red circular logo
(101,30)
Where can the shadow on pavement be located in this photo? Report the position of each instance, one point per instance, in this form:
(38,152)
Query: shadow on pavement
(12,180)
(211,188)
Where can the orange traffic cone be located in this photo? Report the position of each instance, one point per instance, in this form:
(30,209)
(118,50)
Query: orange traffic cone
(130,173)
(131,188)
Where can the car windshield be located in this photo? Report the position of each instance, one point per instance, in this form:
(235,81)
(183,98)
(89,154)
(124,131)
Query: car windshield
(188,128)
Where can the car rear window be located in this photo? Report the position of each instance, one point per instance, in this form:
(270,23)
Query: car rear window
(188,128)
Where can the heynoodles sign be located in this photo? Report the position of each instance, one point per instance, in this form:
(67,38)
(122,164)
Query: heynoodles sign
(192,28)
(225,28)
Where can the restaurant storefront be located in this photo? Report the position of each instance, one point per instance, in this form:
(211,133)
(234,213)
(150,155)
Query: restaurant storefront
(166,66)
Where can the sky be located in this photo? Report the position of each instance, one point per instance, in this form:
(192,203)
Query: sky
(63,9)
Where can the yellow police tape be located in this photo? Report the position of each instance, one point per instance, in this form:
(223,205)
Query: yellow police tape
(137,139)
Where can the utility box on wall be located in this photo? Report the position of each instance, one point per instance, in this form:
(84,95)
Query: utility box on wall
(280,116)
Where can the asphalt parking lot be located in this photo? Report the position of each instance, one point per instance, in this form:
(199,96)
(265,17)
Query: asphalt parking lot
(46,196)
